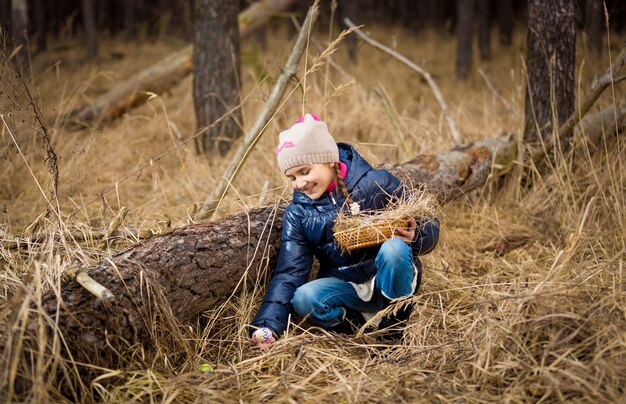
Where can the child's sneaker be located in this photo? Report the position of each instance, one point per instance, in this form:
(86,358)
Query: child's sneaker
(350,324)
(394,324)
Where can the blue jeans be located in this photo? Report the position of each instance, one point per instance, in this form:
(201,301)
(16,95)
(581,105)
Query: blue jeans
(324,301)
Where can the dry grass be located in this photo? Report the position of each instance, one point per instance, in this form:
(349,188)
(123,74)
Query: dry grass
(523,299)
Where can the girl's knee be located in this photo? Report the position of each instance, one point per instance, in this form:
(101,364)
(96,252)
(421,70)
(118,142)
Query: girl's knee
(395,248)
(301,300)
(395,275)
(305,300)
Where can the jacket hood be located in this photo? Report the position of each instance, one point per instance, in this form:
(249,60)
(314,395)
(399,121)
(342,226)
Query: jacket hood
(357,168)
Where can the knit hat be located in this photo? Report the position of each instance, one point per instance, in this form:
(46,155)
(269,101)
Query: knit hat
(306,142)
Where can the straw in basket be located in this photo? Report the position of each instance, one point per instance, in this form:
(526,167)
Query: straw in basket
(369,234)
(356,229)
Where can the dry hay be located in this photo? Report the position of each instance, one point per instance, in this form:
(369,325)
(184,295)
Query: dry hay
(355,228)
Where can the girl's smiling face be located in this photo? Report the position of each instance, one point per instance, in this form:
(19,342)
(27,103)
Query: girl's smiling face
(312,179)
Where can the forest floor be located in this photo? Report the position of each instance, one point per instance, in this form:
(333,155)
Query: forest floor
(523,299)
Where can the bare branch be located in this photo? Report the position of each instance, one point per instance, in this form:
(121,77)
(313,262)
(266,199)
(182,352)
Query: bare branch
(418,69)
(493,90)
(79,275)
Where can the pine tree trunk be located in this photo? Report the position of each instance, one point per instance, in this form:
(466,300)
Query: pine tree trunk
(89,24)
(187,6)
(436,13)
(350,9)
(550,63)
(484,29)
(19,27)
(504,8)
(465,28)
(42,26)
(128,10)
(216,61)
(594,18)
(103,17)
(5,15)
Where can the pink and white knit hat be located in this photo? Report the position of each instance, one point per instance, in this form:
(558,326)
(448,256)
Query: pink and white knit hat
(308,141)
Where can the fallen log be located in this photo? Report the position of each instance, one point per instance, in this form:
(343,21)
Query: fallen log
(165,74)
(172,278)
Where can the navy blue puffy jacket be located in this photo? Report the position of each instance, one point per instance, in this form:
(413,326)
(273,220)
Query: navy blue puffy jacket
(308,231)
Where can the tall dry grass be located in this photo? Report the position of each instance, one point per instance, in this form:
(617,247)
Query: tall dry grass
(522,300)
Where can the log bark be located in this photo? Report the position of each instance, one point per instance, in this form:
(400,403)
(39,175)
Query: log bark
(164,74)
(173,278)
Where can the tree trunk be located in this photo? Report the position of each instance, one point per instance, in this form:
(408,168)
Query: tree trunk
(465,28)
(405,10)
(436,10)
(42,25)
(350,9)
(172,278)
(594,17)
(187,6)
(504,8)
(19,27)
(550,63)
(216,61)
(128,10)
(103,17)
(163,75)
(5,15)
(89,24)
(484,29)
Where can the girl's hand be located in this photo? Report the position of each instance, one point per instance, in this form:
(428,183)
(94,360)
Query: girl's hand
(408,234)
(263,337)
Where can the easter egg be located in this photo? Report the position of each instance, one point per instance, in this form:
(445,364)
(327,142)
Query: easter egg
(263,336)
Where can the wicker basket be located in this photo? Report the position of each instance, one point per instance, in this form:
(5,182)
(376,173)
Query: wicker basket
(368,234)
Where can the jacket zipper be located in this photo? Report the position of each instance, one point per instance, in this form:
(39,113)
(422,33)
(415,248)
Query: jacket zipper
(334,201)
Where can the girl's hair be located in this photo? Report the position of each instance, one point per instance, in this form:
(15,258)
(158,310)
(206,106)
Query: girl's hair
(342,185)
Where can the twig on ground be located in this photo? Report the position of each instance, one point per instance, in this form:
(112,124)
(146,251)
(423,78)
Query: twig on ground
(254,134)
(418,69)
(76,272)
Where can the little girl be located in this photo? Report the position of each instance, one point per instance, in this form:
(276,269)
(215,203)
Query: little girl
(350,287)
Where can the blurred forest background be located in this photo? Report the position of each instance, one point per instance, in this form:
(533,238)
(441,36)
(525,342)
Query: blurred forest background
(123,128)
